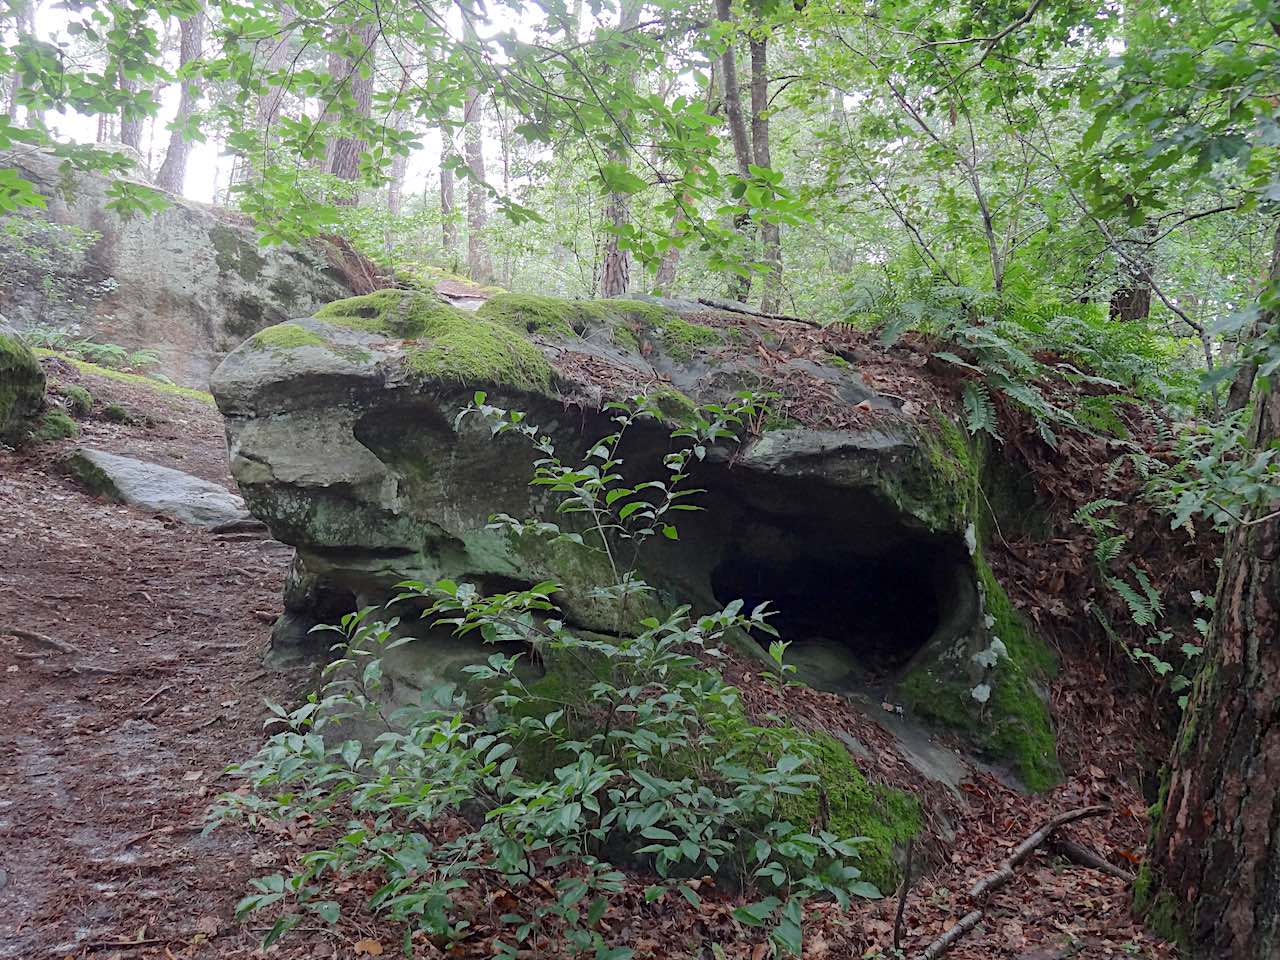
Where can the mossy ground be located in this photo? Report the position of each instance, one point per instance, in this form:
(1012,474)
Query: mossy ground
(115,413)
(136,379)
(55,425)
(451,343)
(841,802)
(79,400)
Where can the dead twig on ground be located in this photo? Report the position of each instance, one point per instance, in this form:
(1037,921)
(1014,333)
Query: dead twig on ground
(1002,875)
(732,306)
(165,689)
(1082,856)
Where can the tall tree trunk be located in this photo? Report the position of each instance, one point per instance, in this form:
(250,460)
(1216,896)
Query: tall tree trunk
(615,264)
(739,287)
(1132,299)
(1214,870)
(344,157)
(448,225)
(173,171)
(770,231)
(269,103)
(479,264)
(130,124)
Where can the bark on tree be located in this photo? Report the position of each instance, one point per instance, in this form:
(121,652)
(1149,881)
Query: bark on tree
(1213,877)
(270,102)
(448,225)
(479,264)
(739,287)
(615,264)
(344,156)
(770,232)
(1132,299)
(130,124)
(173,171)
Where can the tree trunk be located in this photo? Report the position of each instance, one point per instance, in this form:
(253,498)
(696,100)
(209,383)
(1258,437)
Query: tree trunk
(479,265)
(344,156)
(269,103)
(770,231)
(130,124)
(739,287)
(1213,877)
(173,171)
(448,226)
(615,264)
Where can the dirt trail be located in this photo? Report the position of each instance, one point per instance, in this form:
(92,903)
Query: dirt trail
(111,754)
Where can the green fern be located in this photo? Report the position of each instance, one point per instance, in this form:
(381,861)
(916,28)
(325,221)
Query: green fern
(980,413)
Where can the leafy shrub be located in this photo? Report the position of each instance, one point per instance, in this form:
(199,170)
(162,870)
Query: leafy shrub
(629,746)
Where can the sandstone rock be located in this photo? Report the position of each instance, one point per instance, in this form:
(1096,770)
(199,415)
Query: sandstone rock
(344,439)
(187,281)
(154,488)
(22,383)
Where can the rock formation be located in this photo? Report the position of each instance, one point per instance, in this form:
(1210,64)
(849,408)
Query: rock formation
(861,514)
(188,281)
(22,383)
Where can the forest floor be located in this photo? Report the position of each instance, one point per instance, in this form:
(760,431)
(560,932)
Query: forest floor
(149,681)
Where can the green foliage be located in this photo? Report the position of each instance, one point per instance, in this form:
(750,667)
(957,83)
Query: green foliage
(43,265)
(645,753)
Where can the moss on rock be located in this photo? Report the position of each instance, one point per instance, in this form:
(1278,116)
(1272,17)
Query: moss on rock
(683,338)
(22,385)
(845,804)
(1013,725)
(450,344)
(406,314)
(553,316)
(286,336)
(55,425)
(116,414)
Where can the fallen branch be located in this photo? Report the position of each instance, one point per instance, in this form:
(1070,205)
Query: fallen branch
(165,689)
(1003,874)
(902,897)
(39,638)
(734,307)
(1081,855)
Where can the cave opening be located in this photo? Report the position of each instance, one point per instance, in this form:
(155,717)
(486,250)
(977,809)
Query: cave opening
(857,589)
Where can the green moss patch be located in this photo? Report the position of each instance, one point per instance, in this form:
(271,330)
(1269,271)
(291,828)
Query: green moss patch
(55,425)
(286,336)
(22,384)
(79,400)
(137,379)
(682,338)
(553,316)
(116,414)
(404,314)
(845,804)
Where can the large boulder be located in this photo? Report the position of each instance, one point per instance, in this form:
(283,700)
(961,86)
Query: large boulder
(188,281)
(855,511)
(22,383)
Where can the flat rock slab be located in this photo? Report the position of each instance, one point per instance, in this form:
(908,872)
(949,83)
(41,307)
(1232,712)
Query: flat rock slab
(152,487)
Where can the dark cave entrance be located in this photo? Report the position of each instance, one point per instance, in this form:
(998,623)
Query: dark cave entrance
(856,587)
